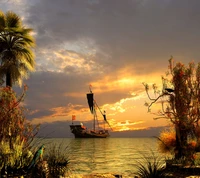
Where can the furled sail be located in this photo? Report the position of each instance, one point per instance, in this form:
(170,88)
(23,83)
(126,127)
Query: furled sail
(104,116)
(90,101)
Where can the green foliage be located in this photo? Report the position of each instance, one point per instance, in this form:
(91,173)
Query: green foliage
(150,166)
(16,43)
(16,157)
(16,60)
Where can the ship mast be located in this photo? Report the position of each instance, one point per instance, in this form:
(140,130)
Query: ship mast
(92,105)
(94,119)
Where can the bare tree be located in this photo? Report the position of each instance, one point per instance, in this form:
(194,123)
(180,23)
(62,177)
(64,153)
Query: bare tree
(180,103)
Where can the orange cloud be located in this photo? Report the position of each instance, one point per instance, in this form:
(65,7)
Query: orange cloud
(129,113)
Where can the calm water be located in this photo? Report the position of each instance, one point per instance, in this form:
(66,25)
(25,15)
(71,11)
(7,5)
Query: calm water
(110,155)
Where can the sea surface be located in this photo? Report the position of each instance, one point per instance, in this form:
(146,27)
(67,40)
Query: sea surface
(106,155)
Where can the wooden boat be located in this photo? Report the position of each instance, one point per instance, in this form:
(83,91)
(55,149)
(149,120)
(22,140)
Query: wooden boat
(80,131)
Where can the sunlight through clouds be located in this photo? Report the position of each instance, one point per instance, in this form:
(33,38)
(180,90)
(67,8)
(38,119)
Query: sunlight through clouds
(69,58)
(66,60)
(120,106)
(127,125)
(109,83)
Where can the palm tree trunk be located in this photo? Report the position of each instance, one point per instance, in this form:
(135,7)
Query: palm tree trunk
(8,79)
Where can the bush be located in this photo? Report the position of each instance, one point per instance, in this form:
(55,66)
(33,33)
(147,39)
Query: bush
(16,133)
(167,141)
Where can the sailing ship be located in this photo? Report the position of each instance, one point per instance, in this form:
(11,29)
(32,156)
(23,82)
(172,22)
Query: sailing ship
(80,131)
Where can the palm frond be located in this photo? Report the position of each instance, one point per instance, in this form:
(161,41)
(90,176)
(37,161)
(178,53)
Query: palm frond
(15,47)
(12,20)
(2,20)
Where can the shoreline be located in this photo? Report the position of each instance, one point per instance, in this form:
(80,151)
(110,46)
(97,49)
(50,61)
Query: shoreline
(107,175)
(96,175)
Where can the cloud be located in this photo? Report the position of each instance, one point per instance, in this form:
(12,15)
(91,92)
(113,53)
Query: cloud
(114,45)
(119,32)
(56,96)
(112,35)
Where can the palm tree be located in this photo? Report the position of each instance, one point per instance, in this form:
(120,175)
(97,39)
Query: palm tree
(16,44)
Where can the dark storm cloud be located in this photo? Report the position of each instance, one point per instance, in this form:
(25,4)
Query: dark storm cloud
(139,34)
(48,89)
(126,32)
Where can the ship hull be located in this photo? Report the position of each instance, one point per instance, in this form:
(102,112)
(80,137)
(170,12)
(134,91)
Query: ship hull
(80,132)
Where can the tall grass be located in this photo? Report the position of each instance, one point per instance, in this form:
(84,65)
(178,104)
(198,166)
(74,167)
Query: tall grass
(150,166)
(57,158)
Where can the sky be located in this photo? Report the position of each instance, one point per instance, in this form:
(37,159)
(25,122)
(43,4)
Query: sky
(112,45)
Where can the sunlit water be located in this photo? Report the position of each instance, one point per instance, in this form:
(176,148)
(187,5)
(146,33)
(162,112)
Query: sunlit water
(110,155)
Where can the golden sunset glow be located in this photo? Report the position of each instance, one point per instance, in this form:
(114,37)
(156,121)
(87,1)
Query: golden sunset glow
(128,113)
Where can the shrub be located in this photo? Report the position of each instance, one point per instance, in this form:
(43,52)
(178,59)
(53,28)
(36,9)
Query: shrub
(167,141)
(16,133)
(13,124)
